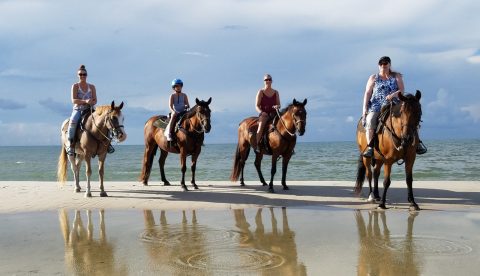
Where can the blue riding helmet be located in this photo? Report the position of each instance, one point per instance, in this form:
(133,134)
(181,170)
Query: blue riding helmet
(177,82)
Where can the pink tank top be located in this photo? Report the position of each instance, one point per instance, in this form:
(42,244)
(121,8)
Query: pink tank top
(267,103)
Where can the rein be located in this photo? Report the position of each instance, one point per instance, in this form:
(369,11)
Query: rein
(283,123)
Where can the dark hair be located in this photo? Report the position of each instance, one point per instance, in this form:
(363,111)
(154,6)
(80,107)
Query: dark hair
(384,59)
(82,68)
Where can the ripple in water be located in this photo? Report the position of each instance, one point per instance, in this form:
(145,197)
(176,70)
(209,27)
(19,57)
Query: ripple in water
(427,246)
(172,236)
(230,260)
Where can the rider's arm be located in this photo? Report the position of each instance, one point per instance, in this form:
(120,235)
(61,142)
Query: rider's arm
(277,103)
(401,87)
(187,105)
(258,101)
(368,93)
(93,100)
(170,104)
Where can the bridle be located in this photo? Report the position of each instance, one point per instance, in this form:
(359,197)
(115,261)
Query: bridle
(295,122)
(402,139)
(203,121)
(115,129)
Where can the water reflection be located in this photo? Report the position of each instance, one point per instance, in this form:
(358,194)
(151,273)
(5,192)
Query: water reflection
(84,254)
(198,248)
(379,254)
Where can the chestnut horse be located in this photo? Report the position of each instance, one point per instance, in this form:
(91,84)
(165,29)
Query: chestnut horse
(281,140)
(397,141)
(189,141)
(103,125)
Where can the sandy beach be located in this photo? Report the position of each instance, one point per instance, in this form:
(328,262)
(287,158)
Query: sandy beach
(28,196)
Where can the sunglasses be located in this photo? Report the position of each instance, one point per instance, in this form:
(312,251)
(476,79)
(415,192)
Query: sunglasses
(82,74)
(383,63)
(267,79)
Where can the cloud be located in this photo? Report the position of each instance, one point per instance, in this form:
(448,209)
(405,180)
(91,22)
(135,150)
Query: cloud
(473,111)
(20,134)
(442,100)
(60,108)
(198,54)
(10,105)
(234,27)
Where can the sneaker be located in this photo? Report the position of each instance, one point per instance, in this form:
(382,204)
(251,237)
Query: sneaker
(169,137)
(70,148)
(368,152)
(421,149)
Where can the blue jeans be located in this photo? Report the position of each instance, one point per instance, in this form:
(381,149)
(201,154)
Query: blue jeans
(72,125)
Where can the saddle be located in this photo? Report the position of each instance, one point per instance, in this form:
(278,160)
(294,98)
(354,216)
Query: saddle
(384,113)
(264,140)
(162,121)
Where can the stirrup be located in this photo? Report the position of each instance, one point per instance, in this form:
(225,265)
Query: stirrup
(110,149)
(421,149)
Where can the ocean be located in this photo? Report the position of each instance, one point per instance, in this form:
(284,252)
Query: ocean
(445,160)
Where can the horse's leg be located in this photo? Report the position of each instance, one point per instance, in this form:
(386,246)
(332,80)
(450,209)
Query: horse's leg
(272,172)
(376,176)
(183,165)
(286,159)
(88,170)
(368,166)
(101,165)
(409,179)
(148,155)
(193,167)
(387,170)
(243,158)
(161,163)
(258,166)
(76,172)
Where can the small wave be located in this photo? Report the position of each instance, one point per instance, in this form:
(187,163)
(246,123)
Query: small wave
(20,162)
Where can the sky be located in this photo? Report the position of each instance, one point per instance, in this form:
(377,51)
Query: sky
(322,51)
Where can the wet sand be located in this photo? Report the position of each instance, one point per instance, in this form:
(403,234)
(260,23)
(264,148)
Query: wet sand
(27,196)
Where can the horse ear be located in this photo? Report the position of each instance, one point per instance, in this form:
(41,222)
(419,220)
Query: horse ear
(305,101)
(120,106)
(401,97)
(209,100)
(418,95)
(197,101)
(112,105)
(295,101)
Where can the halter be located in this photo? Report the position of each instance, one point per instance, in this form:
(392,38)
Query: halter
(114,130)
(394,136)
(203,123)
(295,121)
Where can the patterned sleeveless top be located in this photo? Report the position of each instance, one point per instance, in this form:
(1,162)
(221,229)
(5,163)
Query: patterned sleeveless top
(267,103)
(381,89)
(83,95)
(178,103)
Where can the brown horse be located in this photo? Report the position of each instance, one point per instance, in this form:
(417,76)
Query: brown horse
(103,125)
(281,141)
(397,141)
(189,141)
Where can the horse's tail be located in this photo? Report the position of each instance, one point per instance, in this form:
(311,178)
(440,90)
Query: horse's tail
(62,166)
(149,154)
(236,165)
(361,171)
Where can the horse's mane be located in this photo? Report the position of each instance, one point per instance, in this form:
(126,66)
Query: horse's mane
(414,105)
(99,110)
(191,112)
(285,109)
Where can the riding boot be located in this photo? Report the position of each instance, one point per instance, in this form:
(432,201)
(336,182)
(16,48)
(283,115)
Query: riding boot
(369,151)
(70,147)
(421,149)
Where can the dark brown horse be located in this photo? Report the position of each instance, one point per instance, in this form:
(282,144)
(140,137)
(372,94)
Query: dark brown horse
(281,142)
(397,141)
(103,124)
(189,141)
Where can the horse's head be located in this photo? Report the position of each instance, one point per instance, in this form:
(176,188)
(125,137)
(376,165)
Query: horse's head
(410,115)
(299,115)
(114,122)
(202,111)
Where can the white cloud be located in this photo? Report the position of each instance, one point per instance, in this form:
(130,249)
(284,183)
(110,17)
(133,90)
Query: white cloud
(474,59)
(18,134)
(349,119)
(473,111)
(442,100)
(198,54)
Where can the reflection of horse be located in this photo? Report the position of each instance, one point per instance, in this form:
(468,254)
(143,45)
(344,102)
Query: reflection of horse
(94,140)
(281,141)
(397,141)
(189,142)
(377,256)
(85,255)
(281,242)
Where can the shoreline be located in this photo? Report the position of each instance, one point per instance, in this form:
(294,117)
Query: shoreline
(31,196)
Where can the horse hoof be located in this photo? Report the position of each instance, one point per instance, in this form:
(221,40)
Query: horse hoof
(103,194)
(264,184)
(242,184)
(382,207)
(166,183)
(195,187)
(270,190)
(78,190)
(185,189)
(414,208)
(371,199)
(145,183)
(89,194)
(286,187)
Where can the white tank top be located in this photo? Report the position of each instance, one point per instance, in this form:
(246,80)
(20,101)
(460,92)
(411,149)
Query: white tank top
(83,95)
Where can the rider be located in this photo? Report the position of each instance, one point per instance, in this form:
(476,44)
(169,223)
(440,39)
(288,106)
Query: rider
(178,103)
(83,96)
(267,100)
(380,90)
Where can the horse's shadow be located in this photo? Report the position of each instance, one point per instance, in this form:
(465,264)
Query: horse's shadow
(303,194)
